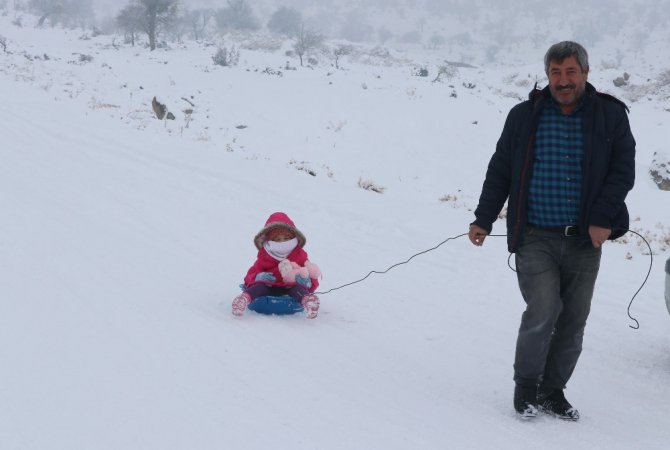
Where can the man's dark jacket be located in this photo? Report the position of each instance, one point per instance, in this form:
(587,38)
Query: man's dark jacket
(608,167)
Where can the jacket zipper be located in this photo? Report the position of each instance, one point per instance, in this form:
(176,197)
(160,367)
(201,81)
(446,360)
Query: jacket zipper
(524,173)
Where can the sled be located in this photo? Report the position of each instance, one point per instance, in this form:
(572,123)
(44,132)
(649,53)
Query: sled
(277,305)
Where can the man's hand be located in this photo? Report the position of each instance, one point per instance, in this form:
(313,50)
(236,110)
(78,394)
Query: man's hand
(477,235)
(598,235)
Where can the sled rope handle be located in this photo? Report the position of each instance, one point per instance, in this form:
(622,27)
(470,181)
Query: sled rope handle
(651,263)
(382,272)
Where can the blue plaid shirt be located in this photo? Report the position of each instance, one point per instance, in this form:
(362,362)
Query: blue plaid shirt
(555,186)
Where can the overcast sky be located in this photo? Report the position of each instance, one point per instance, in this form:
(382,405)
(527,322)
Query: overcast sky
(500,21)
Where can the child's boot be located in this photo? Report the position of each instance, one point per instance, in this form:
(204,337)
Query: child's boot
(311,304)
(240,303)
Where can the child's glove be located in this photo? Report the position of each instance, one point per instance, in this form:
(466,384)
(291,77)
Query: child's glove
(304,281)
(265,276)
(313,269)
(285,269)
(289,270)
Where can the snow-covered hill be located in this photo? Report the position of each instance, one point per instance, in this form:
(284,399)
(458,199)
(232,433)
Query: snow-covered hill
(123,239)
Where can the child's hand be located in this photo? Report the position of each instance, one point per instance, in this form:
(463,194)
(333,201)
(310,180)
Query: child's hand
(285,269)
(305,281)
(265,276)
(314,271)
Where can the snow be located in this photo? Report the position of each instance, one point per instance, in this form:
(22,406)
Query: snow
(124,238)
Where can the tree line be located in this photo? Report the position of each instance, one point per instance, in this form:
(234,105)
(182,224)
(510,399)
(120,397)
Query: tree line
(155,17)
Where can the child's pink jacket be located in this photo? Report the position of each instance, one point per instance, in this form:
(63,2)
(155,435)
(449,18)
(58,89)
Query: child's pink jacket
(266,263)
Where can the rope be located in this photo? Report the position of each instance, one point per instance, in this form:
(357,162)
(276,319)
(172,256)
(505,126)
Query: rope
(651,263)
(382,272)
(394,265)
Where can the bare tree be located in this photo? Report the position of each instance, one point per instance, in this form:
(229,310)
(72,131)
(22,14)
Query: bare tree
(445,71)
(130,19)
(45,9)
(148,16)
(157,13)
(340,51)
(66,12)
(305,40)
(197,21)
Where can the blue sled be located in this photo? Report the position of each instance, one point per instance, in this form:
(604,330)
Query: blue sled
(281,306)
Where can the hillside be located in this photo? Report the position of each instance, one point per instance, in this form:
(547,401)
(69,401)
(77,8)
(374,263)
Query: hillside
(124,238)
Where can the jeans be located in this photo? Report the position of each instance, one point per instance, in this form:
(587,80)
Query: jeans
(297,292)
(556,276)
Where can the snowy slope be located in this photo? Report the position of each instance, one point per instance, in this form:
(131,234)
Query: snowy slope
(123,240)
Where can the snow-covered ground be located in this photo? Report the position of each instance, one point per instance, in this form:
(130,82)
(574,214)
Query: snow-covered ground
(123,240)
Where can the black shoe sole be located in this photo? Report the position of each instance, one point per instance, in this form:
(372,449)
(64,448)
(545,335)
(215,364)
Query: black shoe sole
(527,414)
(567,418)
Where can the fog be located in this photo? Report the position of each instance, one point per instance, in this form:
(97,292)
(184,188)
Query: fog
(471,30)
(124,237)
(521,16)
(604,12)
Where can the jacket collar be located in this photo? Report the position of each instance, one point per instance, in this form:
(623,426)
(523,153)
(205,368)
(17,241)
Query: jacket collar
(537,96)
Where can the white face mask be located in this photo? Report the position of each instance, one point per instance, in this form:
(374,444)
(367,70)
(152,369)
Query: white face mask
(280,250)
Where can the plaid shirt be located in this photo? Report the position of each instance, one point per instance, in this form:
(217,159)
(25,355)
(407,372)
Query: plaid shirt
(555,186)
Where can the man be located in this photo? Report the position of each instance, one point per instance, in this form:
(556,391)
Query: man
(564,162)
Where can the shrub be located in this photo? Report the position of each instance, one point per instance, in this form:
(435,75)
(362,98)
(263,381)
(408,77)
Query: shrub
(226,58)
(445,71)
(370,186)
(421,72)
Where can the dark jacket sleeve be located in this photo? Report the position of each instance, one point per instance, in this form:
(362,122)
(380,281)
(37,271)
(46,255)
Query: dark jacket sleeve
(609,208)
(497,183)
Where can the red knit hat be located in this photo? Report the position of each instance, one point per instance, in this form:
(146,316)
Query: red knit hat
(278,220)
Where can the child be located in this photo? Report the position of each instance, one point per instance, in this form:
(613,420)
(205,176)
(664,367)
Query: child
(282,267)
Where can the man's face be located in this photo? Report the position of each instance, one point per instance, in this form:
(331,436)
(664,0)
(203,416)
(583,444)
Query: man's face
(567,82)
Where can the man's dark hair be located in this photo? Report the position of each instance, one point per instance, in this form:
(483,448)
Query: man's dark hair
(558,52)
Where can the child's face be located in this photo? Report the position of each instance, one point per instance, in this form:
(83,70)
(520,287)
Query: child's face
(279,235)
